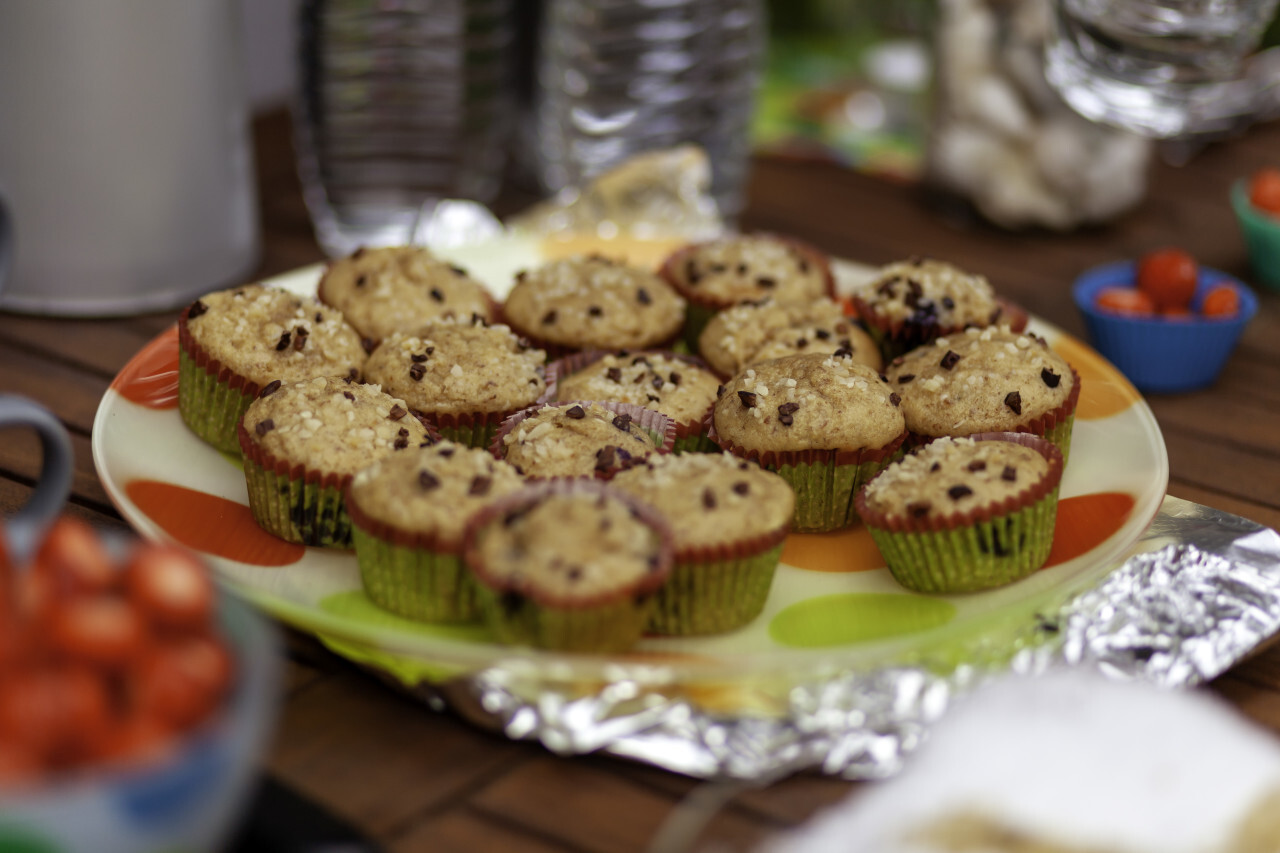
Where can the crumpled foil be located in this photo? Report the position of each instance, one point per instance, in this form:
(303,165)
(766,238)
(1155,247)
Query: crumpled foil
(1200,592)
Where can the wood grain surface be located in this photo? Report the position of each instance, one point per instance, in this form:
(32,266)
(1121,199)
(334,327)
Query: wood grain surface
(414,779)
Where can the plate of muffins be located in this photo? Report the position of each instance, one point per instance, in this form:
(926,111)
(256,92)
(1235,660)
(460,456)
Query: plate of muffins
(730,461)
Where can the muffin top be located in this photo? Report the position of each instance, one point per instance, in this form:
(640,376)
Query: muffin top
(570,546)
(331,425)
(594,302)
(575,440)
(979,380)
(930,293)
(749,267)
(679,389)
(398,289)
(711,499)
(955,475)
(751,332)
(808,402)
(432,490)
(462,367)
(266,333)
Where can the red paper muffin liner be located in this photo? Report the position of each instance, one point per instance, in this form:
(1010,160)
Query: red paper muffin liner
(659,427)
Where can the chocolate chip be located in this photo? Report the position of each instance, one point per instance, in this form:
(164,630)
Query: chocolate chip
(821,334)
(270,388)
(886,287)
(480,486)
(803,263)
(843,352)
(719,391)
(283,343)
(741,487)
(1014,401)
(895,398)
(418,357)
(575,413)
(437,294)
(949,360)
(958,492)
(368,344)
(361,280)
(429,350)
(948,303)
(641,360)
(595,311)
(416,372)
(934,467)
(977,465)
(801,343)
(349,396)
(788,408)
(402,432)
(605,457)
(456,270)
(905,378)
(657,382)
(319,317)
(520,274)
(614,374)
(1009,474)
(708,498)
(549,317)
(653,399)
(691,273)
(299,338)
(264,426)
(400,443)
(397,412)
(623,422)
(673,378)
(766,282)
(919,509)
(643,297)
(197,308)
(351,376)
(748,399)
(427,481)
(743,269)
(1050,378)
(574,574)
(446,452)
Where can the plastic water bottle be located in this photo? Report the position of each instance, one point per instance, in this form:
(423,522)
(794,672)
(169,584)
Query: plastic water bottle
(399,102)
(618,77)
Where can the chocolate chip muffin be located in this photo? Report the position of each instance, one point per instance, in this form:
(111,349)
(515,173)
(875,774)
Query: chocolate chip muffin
(465,377)
(593,302)
(751,332)
(720,273)
(303,442)
(581,439)
(399,289)
(232,343)
(728,519)
(408,512)
(571,565)
(965,514)
(680,387)
(824,422)
(986,380)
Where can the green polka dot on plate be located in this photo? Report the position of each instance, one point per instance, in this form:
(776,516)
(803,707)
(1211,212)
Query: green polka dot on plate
(839,620)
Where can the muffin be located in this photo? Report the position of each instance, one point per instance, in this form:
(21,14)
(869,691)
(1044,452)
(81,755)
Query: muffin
(581,439)
(233,343)
(465,377)
(302,444)
(824,422)
(751,332)
(966,514)
(408,511)
(721,273)
(680,387)
(593,302)
(569,565)
(986,380)
(728,520)
(909,303)
(400,288)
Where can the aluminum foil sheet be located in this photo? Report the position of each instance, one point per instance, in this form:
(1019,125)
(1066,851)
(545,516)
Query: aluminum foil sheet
(1200,591)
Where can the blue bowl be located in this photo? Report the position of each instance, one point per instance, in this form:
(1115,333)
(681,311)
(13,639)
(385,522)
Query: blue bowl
(1162,355)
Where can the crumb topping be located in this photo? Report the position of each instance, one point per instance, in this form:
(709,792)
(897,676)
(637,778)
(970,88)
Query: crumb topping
(594,302)
(680,390)
(528,549)
(399,288)
(266,333)
(928,292)
(950,475)
(738,268)
(458,368)
(710,499)
(331,424)
(575,440)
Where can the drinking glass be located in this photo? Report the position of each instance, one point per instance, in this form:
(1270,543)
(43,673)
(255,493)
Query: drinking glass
(1160,68)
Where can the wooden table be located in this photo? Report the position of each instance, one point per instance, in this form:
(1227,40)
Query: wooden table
(413,779)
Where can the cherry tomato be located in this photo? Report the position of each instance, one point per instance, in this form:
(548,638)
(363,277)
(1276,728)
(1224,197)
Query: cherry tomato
(1168,276)
(181,683)
(1222,300)
(1264,190)
(170,586)
(104,630)
(54,711)
(1177,314)
(75,559)
(1125,300)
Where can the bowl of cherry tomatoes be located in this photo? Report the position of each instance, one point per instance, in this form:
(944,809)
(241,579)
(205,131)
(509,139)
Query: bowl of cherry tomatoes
(1256,201)
(136,697)
(1166,322)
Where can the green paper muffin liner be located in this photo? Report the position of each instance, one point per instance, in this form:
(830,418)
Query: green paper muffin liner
(470,435)
(211,398)
(605,623)
(714,596)
(419,584)
(983,548)
(293,503)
